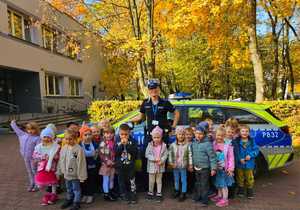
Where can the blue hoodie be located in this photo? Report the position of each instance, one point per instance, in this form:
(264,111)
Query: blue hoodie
(240,152)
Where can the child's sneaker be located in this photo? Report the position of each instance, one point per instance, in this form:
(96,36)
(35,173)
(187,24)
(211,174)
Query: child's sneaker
(83,199)
(149,196)
(241,192)
(66,204)
(29,188)
(182,197)
(176,193)
(222,203)
(89,200)
(250,194)
(76,206)
(35,189)
(216,198)
(158,198)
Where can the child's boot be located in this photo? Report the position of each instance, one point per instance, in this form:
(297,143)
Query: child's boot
(250,194)
(76,206)
(132,198)
(182,197)
(46,199)
(241,192)
(52,198)
(176,193)
(66,204)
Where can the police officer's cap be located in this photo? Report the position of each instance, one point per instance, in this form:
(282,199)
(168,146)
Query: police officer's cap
(153,83)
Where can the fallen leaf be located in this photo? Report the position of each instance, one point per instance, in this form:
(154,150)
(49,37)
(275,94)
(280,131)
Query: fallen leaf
(292,193)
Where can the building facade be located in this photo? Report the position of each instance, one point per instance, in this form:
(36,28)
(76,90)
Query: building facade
(47,62)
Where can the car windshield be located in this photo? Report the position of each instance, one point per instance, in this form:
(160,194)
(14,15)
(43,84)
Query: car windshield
(126,115)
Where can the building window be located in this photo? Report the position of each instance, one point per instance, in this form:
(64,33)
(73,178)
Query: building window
(54,85)
(19,26)
(49,38)
(75,87)
(73,49)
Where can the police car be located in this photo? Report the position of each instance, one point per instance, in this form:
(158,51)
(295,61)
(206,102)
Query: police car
(269,132)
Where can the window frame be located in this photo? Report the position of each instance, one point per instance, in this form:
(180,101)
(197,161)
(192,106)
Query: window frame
(55,79)
(53,47)
(12,24)
(77,82)
(245,110)
(203,106)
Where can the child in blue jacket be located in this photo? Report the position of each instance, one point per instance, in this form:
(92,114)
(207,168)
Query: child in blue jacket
(245,151)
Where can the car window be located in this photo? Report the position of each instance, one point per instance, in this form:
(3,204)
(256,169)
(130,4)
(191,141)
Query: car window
(170,116)
(197,114)
(244,117)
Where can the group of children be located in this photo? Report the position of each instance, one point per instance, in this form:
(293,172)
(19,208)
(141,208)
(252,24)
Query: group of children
(209,162)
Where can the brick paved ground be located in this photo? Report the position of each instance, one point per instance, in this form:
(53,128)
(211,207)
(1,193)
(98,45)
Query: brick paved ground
(275,191)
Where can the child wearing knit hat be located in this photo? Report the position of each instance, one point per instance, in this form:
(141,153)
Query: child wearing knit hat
(180,159)
(46,155)
(157,154)
(204,163)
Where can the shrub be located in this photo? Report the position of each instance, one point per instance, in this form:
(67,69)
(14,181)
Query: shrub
(111,110)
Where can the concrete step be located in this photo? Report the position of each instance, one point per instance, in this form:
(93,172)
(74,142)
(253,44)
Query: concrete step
(60,120)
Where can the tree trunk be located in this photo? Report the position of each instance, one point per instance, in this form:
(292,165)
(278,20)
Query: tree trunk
(150,34)
(276,60)
(290,66)
(136,29)
(254,56)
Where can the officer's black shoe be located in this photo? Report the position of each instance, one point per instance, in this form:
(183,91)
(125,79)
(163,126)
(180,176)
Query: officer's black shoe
(241,192)
(66,204)
(250,194)
(176,194)
(182,197)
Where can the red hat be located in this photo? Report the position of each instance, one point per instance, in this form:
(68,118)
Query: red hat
(84,129)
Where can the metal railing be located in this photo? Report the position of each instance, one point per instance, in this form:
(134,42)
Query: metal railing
(13,110)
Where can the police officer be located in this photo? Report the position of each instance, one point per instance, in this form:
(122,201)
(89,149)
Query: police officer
(154,110)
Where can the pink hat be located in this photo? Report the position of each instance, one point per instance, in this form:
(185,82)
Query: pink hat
(180,129)
(157,130)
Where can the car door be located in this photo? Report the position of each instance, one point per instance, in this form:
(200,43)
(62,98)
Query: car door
(263,132)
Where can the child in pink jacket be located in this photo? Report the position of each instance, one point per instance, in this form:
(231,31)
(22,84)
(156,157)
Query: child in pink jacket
(225,168)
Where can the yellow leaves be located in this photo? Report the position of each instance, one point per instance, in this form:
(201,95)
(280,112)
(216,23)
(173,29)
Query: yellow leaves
(111,110)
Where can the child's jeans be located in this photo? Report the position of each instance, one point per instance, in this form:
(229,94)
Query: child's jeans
(245,177)
(108,183)
(180,174)
(155,178)
(202,185)
(73,190)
